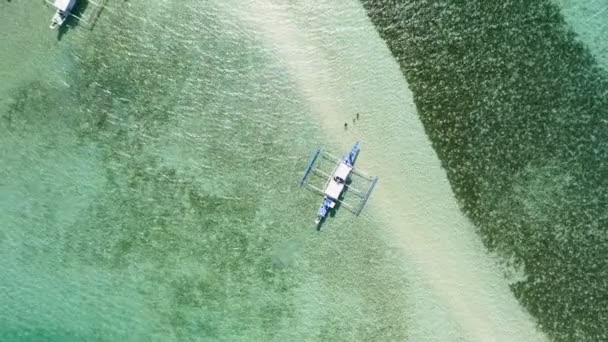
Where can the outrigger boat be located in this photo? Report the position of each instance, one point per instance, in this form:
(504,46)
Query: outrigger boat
(338,182)
(64,7)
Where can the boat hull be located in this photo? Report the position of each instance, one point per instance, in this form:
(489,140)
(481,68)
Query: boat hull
(61,14)
(58,20)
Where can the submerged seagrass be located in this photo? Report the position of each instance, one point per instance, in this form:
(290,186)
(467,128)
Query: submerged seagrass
(149,169)
(517,111)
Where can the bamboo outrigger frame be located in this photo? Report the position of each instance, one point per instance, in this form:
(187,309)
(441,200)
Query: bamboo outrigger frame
(353,176)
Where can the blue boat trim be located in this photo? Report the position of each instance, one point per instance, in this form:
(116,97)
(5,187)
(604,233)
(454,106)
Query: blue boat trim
(310,164)
(350,158)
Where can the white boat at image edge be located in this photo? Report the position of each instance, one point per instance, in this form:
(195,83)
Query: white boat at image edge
(338,182)
(63,11)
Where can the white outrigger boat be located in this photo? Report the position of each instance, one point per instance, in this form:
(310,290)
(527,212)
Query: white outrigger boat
(338,182)
(64,8)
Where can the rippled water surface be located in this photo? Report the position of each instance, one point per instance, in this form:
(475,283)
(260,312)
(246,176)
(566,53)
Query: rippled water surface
(149,171)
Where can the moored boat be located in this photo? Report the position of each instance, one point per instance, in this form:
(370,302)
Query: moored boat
(63,10)
(337,183)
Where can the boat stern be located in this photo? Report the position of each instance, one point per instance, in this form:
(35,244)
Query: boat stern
(57,20)
(324,209)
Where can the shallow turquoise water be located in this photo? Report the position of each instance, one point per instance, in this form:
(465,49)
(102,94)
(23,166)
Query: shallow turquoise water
(150,193)
(149,170)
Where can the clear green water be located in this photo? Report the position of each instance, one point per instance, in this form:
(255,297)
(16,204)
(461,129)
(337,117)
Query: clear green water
(588,20)
(148,184)
(149,191)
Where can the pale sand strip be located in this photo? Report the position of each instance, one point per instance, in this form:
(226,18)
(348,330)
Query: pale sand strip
(459,293)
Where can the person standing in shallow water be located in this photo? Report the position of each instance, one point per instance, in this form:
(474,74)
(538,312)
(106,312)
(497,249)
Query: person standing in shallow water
(345,126)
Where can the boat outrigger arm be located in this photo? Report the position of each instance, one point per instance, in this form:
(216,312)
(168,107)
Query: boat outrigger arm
(63,10)
(337,183)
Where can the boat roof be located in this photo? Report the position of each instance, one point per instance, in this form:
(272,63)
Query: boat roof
(343,170)
(334,189)
(62,4)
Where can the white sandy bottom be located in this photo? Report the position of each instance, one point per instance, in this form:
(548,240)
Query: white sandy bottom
(459,293)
